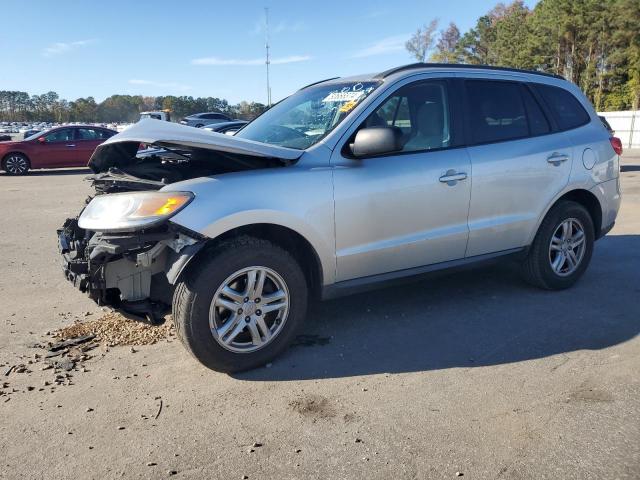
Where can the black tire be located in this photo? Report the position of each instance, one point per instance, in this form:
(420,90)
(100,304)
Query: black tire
(16,164)
(194,293)
(537,268)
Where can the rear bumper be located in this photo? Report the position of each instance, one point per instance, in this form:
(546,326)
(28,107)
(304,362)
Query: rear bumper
(133,273)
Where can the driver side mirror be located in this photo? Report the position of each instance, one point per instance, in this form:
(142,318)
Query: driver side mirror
(376,141)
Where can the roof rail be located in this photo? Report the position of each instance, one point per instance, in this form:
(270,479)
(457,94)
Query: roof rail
(316,83)
(413,66)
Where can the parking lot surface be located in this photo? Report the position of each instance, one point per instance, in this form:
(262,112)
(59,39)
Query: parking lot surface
(474,374)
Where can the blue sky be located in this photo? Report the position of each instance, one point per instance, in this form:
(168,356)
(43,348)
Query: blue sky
(207,48)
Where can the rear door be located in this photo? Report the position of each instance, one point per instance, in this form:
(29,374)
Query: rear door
(519,162)
(87,139)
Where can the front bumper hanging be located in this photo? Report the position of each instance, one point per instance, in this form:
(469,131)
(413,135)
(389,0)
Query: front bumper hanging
(131,272)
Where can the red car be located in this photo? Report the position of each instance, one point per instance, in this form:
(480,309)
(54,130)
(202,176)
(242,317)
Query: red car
(69,146)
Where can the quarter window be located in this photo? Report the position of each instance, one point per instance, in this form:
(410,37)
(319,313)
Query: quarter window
(538,123)
(421,112)
(496,111)
(566,109)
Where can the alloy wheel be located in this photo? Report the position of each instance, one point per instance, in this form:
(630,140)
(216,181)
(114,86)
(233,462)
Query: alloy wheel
(16,165)
(567,247)
(249,309)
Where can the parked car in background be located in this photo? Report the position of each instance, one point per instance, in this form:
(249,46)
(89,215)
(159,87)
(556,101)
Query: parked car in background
(68,146)
(30,133)
(347,184)
(228,128)
(5,138)
(199,120)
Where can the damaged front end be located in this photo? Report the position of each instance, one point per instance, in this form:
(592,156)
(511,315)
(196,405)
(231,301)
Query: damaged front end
(131,272)
(122,250)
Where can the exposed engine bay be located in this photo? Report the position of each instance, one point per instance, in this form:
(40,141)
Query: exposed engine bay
(134,271)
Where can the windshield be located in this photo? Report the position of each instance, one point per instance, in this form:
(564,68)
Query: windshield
(308,115)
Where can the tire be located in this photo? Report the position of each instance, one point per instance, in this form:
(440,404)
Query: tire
(16,164)
(544,266)
(196,319)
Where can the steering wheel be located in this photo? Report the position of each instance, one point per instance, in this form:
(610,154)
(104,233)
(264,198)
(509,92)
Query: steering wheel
(280,133)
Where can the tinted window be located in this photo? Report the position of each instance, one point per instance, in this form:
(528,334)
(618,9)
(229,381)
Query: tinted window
(421,111)
(566,108)
(538,123)
(496,111)
(63,135)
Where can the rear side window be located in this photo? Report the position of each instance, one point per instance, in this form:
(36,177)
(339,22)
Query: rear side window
(566,109)
(496,111)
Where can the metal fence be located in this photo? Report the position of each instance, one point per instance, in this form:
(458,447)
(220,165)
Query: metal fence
(626,125)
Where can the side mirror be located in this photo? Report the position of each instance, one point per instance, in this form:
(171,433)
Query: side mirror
(376,141)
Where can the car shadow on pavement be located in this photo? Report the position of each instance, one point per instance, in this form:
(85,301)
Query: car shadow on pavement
(475,318)
(54,172)
(630,168)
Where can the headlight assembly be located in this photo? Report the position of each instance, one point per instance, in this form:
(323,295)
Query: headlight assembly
(131,211)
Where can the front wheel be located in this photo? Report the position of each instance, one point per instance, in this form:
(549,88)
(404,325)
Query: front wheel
(16,164)
(562,249)
(241,305)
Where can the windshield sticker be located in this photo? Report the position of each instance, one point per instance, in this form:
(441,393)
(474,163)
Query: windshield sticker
(340,97)
(347,107)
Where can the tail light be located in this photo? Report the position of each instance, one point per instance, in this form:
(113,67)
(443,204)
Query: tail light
(616,143)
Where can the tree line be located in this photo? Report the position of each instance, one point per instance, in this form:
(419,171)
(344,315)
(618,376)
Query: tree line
(592,43)
(16,106)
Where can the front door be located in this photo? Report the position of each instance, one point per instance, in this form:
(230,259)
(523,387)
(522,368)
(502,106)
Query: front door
(58,149)
(407,209)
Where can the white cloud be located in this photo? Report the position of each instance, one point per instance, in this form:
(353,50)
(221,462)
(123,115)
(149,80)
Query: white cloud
(59,48)
(151,83)
(248,62)
(383,46)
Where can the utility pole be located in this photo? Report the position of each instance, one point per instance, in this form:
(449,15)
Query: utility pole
(266,33)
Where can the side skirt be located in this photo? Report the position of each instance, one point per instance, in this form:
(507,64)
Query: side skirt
(357,285)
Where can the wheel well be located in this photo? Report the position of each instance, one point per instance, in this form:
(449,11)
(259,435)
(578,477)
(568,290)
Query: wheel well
(589,201)
(4,159)
(289,240)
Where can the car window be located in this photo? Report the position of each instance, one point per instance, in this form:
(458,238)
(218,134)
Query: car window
(566,109)
(63,135)
(496,111)
(538,123)
(89,134)
(421,111)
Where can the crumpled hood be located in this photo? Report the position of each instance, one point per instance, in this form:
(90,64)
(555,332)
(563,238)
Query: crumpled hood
(120,149)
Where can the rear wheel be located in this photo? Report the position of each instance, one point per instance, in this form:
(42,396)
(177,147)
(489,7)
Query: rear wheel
(241,305)
(562,249)
(16,164)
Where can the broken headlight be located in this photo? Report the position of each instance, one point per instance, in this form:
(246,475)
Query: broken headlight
(131,211)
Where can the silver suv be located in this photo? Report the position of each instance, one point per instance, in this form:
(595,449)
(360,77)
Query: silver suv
(347,184)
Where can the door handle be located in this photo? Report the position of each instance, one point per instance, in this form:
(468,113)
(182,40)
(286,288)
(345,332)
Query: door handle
(70,145)
(557,158)
(452,177)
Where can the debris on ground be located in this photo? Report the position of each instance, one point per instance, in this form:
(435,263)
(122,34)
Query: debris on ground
(113,329)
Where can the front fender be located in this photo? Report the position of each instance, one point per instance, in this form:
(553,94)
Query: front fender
(299,199)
